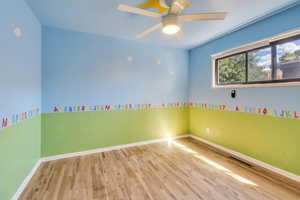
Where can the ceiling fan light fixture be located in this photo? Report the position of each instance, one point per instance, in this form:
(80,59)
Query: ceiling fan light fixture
(171,29)
(171,24)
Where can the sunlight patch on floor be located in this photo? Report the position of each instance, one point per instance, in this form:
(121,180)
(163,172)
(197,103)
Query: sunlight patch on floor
(212,163)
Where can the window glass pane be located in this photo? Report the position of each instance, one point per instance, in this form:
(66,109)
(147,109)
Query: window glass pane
(288,60)
(260,65)
(232,69)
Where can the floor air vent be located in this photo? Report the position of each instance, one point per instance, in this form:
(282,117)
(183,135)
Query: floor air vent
(240,161)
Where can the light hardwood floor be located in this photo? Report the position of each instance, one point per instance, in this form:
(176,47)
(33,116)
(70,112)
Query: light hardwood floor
(181,169)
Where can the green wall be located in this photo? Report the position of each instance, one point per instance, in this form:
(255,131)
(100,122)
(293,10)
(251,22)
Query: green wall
(273,140)
(79,131)
(276,140)
(270,139)
(19,151)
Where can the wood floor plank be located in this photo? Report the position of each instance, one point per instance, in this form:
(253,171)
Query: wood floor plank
(176,170)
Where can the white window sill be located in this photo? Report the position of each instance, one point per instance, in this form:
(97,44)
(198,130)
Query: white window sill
(258,85)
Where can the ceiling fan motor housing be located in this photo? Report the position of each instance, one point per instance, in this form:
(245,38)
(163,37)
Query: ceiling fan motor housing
(170,19)
(166,3)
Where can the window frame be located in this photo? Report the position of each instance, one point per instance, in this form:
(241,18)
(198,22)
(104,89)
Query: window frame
(268,43)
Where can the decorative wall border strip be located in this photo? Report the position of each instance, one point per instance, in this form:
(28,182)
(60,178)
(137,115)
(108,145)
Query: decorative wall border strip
(17,118)
(83,108)
(288,114)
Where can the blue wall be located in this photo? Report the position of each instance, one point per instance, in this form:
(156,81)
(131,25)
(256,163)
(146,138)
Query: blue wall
(201,71)
(20,86)
(86,69)
(20,59)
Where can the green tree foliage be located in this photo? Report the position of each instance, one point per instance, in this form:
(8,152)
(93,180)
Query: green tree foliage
(297,53)
(232,69)
(287,57)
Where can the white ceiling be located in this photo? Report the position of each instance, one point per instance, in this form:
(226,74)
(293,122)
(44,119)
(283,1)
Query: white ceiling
(102,17)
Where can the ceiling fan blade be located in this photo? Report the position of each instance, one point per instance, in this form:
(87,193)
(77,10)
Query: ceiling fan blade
(139,11)
(150,30)
(203,17)
(180,35)
(178,6)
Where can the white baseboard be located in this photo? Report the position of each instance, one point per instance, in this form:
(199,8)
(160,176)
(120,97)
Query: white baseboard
(249,159)
(26,180)
(82,153)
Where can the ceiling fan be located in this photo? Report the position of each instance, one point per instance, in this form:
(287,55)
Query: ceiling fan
(170,22)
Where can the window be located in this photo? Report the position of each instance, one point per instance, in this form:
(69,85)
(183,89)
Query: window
(277,62)
(260,65)
(288,60)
